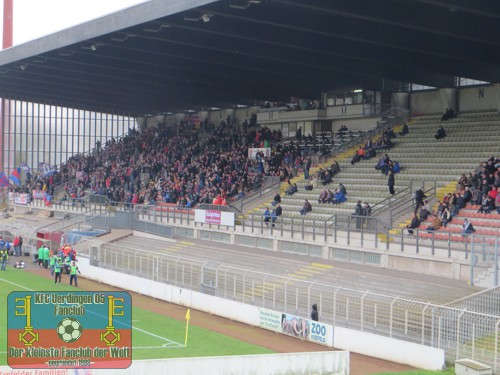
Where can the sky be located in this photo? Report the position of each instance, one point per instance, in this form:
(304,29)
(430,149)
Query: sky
(36,18)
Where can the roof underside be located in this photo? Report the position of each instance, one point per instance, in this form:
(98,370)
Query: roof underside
(229,52)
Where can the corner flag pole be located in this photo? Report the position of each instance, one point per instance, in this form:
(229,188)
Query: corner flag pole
(188,316)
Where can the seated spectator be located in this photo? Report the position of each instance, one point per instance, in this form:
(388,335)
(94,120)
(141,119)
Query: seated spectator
(342,188)
(467,195)
(267,216)
(330,196)
(446,216)
(441,133)
(338,197)
(278,210)
(309,186)
(306,208)
(467,227)
(240,195)
(323,196)
(435,223)
(415,223)
(396,167)
(291,189)
(486,205)
(327,178)
(380,166)
(343,129)
(370,153)
(424,214)
(449,113)
(277,199)
(335,168)
(405,130)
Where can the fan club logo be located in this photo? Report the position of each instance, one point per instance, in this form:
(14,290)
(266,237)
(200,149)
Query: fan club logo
(69,330)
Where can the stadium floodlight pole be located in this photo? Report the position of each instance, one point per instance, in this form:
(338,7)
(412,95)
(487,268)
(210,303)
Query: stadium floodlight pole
(188,316)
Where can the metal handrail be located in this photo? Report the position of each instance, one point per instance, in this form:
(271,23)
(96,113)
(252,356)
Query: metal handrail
(264,190)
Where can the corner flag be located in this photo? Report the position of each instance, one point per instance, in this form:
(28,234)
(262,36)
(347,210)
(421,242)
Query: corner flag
(188,316)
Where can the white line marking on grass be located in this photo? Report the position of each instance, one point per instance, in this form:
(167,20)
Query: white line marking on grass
(20,286)
(170,342)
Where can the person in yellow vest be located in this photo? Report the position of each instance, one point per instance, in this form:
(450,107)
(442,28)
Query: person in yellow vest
(57,271)
(4,256)
(52,263)
(67,264)
(46,257)
(73,274)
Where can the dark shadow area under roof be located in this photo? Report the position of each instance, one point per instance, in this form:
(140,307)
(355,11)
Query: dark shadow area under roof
(165,56)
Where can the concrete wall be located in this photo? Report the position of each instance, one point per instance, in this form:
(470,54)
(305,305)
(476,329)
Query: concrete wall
(482,98)
(478,98)
(293,363)
(416,355)
(360,342)
(425,102)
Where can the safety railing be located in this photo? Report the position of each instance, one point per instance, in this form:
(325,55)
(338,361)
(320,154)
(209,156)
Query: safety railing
(458,331)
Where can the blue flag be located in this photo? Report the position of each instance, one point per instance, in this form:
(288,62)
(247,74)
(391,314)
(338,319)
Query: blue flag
(4,181)
(15,176)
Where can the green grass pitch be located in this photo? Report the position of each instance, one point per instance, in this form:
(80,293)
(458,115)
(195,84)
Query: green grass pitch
(153,336)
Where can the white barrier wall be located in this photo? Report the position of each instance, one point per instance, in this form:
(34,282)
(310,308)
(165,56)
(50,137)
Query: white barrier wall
(360,342)
(415,355)
(296,363)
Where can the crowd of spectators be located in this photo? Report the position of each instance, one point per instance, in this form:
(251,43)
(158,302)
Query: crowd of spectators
(480,188)
(176,165)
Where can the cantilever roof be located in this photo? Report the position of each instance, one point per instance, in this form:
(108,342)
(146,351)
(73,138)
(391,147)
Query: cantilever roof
(176,55)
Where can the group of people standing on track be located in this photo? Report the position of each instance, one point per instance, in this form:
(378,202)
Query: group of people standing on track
(62,262)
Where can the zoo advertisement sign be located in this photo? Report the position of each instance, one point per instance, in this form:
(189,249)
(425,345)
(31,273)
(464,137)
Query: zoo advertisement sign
(296,326)
(60,330)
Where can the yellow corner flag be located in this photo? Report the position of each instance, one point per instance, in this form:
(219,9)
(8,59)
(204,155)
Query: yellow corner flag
(188,316)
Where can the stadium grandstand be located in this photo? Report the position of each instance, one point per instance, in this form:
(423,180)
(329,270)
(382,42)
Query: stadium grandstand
(275,154)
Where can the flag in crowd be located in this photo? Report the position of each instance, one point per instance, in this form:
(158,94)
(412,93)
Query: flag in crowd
(46,169)
(4,181)
(25,167)
(15,176)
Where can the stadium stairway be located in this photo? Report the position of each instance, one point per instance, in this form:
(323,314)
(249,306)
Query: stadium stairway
(471,139)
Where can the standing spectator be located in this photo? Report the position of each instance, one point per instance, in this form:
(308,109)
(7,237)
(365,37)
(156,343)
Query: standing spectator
(358,212)
(4,256)
(307,167)
(57,271)
(277,199)
(273,218)
(20,245)
(16,246)
(367,210)
(405,130)
(73,274)
(390,182)
(419,198)
(267,216)
(314,313)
